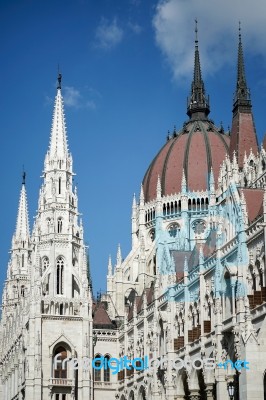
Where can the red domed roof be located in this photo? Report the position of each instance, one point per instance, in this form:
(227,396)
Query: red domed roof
(196,149)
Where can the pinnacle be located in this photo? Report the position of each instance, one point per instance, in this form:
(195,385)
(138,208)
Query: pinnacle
(198,104)
(242,94)
(58,140)
(22,226)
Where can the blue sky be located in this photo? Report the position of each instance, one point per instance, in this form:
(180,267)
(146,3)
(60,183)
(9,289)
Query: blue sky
(127,68)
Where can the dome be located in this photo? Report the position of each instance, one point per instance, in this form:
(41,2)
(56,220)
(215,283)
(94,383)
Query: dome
(197,148)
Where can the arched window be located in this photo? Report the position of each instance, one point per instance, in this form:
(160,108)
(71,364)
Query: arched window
(106,373)
(161,339)
(173,229)
(59,186)
(97,370)
(59,275)
(60,355)
(48,221)
(22,291)
(228,296)
(152,234)
(45,265)
(59,225)
(199,226)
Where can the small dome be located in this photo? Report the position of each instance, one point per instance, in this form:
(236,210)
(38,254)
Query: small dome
(197,148)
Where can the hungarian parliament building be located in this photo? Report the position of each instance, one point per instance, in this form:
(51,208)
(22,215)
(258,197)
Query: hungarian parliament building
(183,316)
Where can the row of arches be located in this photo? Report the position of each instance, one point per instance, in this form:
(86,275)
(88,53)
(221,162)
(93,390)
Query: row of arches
(174,207)
(199,204)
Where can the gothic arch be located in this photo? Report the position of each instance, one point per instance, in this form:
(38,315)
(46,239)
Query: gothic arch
(60,265)
(130,298)
(142,394)
(62,339)
(60,352)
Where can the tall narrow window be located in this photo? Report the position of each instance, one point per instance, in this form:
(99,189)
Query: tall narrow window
(59,275)
(45,265)
(106,374)
(59,372)
(97,370)
(59,225)
(59,185)
(48,224)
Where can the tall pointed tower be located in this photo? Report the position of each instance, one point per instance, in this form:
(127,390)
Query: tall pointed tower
(17,284)
(243,137)
(53,321)
(198,106)
(62,299)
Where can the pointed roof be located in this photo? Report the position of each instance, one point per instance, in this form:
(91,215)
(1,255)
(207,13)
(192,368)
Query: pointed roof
(58,139)
(198,103)
(22,225)
(243,133)
(89,270)
(242,93)
(101,319)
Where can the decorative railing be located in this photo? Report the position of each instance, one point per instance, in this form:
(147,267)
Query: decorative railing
(61,382)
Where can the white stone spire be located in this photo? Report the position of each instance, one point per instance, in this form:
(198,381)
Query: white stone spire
(118,256)
(22,227)
(58,140)
(159,188)
(110,268)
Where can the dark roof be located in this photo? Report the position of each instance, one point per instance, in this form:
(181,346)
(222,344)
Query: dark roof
(139,300)
(196,148)
(254,201)
(101,318)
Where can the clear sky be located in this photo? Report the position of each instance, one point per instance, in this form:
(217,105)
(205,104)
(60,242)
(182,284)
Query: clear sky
(127,69)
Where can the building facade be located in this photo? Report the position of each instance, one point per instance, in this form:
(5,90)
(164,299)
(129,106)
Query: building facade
(192,289)
(47,303)
(189,299)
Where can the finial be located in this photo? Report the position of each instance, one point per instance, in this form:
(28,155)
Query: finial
(59,79)
(141,196)
(118,256)
(239,30)
(196,31)
(23,177)
(110,268)
(134,203)
(185,264)
(159,187)
(198,102)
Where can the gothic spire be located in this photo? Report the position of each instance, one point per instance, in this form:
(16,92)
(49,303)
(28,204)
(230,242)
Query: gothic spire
(198,103)
(89,270)
(243,133)
(58,140)
(242,93)
(22,227)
